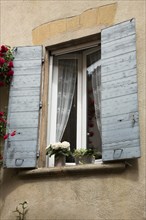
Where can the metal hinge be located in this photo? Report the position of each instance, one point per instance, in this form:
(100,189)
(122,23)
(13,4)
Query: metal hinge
(38,154)
(40,105)
(43,60)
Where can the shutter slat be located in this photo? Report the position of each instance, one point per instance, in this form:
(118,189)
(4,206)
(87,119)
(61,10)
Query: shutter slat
(118,47)
(24,134)
(118,75)
(29,81)
(23,110)
(120,134)
(23,119)
(114,126)
(122,144)
(27,92)
(119,118)
(115,92)
(28,53)
(119,105)
(26,66)
(119,100)
(121,30)
(119,63)
(26,103)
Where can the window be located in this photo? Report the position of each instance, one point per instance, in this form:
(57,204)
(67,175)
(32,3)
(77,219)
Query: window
(115,98)
(74,92)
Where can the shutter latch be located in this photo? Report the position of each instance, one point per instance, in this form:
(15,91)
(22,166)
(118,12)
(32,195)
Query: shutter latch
(38,154)
(40,105)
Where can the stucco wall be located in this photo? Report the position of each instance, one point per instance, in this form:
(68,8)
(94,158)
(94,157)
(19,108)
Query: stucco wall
(111,195)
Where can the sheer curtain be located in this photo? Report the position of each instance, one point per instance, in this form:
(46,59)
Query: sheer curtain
(95,71)
(66,88)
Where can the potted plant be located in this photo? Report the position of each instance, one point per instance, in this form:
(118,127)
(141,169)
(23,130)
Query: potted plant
(60,150)
(84,156)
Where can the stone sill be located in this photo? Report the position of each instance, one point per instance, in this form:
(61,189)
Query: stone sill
(76,169)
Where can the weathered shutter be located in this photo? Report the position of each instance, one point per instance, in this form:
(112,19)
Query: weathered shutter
(23,110)
(119,103)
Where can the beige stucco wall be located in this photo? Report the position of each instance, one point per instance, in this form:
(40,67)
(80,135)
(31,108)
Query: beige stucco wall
(106,195)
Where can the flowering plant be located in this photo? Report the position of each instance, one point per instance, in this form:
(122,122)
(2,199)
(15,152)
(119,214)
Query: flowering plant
(6,65)
(58,149)
(3,125)
(83,152)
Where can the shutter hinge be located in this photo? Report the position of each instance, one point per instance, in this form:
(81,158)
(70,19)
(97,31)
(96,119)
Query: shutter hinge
(43,60)
(40,105)
(38,154)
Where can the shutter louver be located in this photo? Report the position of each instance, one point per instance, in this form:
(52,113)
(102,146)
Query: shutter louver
(23,110)
(119,102)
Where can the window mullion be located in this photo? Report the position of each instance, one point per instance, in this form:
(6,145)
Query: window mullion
(79,106)
(84,104)
(52,107)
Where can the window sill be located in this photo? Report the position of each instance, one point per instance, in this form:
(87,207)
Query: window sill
(78,169)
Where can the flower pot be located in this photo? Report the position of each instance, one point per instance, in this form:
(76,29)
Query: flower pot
(86,159)
(60,161)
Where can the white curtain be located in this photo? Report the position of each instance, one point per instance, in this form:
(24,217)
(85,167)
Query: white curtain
(96,85)
(66,88)
(95,71)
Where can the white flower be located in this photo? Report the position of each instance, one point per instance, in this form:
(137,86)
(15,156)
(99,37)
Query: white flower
(65,145)
(56,146)
(47,147)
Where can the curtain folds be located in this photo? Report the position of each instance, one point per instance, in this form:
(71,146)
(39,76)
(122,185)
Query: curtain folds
(96,85)
(66,88)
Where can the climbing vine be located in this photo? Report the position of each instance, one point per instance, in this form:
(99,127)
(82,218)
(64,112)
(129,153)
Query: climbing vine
(6,75)
(6,65)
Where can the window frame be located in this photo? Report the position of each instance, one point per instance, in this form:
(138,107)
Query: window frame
(81,132)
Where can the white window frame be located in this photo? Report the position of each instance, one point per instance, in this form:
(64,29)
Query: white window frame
(81,135)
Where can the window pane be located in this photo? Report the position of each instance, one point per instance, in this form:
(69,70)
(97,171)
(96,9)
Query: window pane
(93,129)
(67,102)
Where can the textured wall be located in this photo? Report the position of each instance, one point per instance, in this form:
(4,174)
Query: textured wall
(97,196)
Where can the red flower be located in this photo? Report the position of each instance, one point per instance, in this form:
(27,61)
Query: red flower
(6,136)
(1,54)
(91,133)
(3,120)
(4,48)
(13,133)
(2,61)
(1,113)
(10,73)
(1,84)
(10,64)
(91,125)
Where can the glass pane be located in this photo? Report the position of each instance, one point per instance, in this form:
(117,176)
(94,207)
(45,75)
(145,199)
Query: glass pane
(67,101)
(93,131)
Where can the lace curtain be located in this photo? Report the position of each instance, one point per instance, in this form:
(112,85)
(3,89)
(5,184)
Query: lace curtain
(66,88)
(95,71)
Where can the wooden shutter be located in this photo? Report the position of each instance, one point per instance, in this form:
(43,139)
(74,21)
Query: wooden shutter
(119,114)
(23,110)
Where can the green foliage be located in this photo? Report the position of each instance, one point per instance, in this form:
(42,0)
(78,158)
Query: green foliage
(87,152)
(82,152)
(58,149)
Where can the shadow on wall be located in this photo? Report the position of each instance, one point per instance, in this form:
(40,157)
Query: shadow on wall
(12,180)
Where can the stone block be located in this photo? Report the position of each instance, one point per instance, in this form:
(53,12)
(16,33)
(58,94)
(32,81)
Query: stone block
(88,18)
(57,27)
(106,14)
(73,23)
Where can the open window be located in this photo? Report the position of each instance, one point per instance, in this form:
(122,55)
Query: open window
(92,97)
(75,99)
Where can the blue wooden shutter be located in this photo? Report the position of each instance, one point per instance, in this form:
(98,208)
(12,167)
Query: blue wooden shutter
(23,110)
(119,103)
